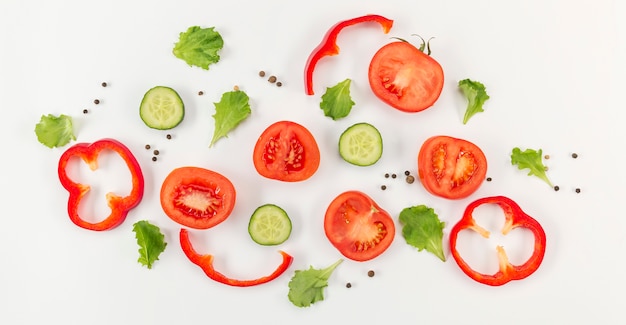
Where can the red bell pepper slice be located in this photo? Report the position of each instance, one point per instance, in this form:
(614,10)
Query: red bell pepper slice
(328,46)
(514,217)
(205,262)
(119,205)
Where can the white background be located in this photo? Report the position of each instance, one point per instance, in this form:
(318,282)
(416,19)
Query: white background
(553,69)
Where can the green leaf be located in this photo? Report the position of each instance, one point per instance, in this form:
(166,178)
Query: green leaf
(199,46)
(336,102)
(531,159)
(229,112)
(55,131)
(476,95)
(151,242)
(423,230)
(307,286)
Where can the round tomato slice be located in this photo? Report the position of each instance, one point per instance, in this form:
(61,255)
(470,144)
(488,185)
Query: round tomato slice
(358,227)
(451,168)
(286,151)
(196,197)
(405,78)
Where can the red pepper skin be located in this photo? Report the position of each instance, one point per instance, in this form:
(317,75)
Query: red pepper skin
(514,217)
(328,46)
(205,262)
(119,205)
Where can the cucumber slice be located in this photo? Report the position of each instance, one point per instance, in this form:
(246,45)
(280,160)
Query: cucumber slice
(361,144)
(161,108)
(269,225)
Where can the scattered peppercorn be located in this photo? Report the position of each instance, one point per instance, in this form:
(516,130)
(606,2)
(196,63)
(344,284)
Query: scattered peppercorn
(556,188)
(200,93)
(348,285)
(156,152)
(577,190)
(169,136)
(279,84)
(386,175)
(147,147)
(574,155)
(236,88)
(407,173)
(96,101)
(261,73)
(85,111)
(272,79)
(546,156)
(104,84)
(154,158)
(410,179)
(488,179)
(393,175)
(545,168)
(370,273)
(383,187)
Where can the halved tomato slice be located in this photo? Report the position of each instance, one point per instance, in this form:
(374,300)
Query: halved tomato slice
(405,78)
(358,227)
(196,197)
(451,168)
(286,151)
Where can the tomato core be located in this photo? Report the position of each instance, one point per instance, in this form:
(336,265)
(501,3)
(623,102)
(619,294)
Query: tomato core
(197,201)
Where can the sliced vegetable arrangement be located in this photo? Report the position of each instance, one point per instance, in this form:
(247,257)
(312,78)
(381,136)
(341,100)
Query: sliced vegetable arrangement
(402,76)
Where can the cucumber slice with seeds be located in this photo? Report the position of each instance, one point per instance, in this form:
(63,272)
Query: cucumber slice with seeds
(161,108)
(361,144)
(269,225)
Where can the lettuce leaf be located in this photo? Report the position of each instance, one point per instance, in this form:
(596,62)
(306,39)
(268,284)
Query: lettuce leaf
(476,95)
(337,102)
(532,160)
(55,131)
(306,287)
(423,230)
(231,110)
(151,242)
(199,46)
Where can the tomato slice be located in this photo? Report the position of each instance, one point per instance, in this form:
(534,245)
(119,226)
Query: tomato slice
(451,168)
(358,227)
(286,151)
(405,78)
(196,197)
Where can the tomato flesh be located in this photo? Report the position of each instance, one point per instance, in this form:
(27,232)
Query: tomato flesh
(286,151)
(358,227)
(405,78)
(196,197)
(451,168)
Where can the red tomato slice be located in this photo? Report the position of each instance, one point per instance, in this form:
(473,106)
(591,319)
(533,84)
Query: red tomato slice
(404,77)
(451,168)
(358,227)
(286,151)
(196,197)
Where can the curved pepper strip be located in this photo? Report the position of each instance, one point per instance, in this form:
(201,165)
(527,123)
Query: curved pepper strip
(328,46)
(514,218)
(205,262)
(119,205)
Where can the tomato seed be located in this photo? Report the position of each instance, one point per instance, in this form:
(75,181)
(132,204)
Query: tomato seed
(370,273)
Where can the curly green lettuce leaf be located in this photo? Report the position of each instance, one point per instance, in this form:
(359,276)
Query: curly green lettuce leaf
(151,242)
(231,110)
(422,229)
(476,95)
(532,160)
(55,131)
(199,46)
(307,286)
(337,102)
